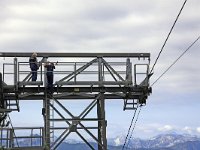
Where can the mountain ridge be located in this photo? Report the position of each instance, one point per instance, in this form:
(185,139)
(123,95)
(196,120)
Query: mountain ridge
(159,142)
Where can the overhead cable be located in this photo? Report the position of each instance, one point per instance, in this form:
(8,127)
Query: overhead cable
(175,61)
(129,128)
(168,36)
(134,126)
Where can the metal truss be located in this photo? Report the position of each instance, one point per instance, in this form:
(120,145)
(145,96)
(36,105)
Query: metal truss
(94,81)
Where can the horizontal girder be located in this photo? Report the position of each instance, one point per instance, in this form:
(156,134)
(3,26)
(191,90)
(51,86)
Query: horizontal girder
(11,89)
(137,55)
(70,97)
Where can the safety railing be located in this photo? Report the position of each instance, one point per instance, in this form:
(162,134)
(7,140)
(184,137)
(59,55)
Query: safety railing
(8,73)
(24,74)
(78,73)
(64,69)
(22,137)
(141,72)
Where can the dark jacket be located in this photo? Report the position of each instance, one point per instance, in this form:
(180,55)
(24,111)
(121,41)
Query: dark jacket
(50,69)
(33,63)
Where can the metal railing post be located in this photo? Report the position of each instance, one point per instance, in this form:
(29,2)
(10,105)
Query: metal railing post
(11,144)
(15,74)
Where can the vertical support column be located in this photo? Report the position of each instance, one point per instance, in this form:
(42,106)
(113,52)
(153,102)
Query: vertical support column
(129,71)
(1,92)
(99,124)
(2,101)
(1,138)
(15,74)
(11,143)
(43,137)
(101,111)
(47,110)
(103,122)
(1,82)
(75,73)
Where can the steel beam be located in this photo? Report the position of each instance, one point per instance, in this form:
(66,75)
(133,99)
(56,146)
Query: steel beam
(117,55)
(72,97)
(75,89)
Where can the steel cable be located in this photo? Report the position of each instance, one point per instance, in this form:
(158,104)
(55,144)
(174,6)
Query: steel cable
(129,128)
(168,36)
(175,61)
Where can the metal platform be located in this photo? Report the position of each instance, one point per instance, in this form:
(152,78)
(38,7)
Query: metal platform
(103,76)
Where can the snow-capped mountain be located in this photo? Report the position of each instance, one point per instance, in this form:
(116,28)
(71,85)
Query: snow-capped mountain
(169,140)
(163,140)
(73,141)
(160,142)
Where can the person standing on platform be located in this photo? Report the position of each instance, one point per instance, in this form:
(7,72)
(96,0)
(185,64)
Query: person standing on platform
(34,66)
(50,67)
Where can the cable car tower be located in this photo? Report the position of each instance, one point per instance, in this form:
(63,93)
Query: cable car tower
(101,76)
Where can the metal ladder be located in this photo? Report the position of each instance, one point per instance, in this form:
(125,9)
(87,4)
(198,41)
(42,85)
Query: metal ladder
(52,122)
(130,104)
(12,105)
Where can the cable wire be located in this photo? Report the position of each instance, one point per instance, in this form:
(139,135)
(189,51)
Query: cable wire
(134,126)
(175,61)
(168,36)
(150,73)
(129,128)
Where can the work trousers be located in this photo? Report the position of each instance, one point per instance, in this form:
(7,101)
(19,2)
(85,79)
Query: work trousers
(34,74)
(50,83)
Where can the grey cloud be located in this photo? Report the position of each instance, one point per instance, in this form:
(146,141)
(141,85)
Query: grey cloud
(95,25)
(113,26)
(105,13)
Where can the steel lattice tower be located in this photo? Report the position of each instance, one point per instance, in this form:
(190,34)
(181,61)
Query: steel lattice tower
(110,80)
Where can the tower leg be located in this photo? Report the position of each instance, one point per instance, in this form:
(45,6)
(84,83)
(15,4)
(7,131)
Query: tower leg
(101,111)
(47,122)
(102,124)
(47,112)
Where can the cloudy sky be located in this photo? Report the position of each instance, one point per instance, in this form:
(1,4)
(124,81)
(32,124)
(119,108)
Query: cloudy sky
(116,26)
